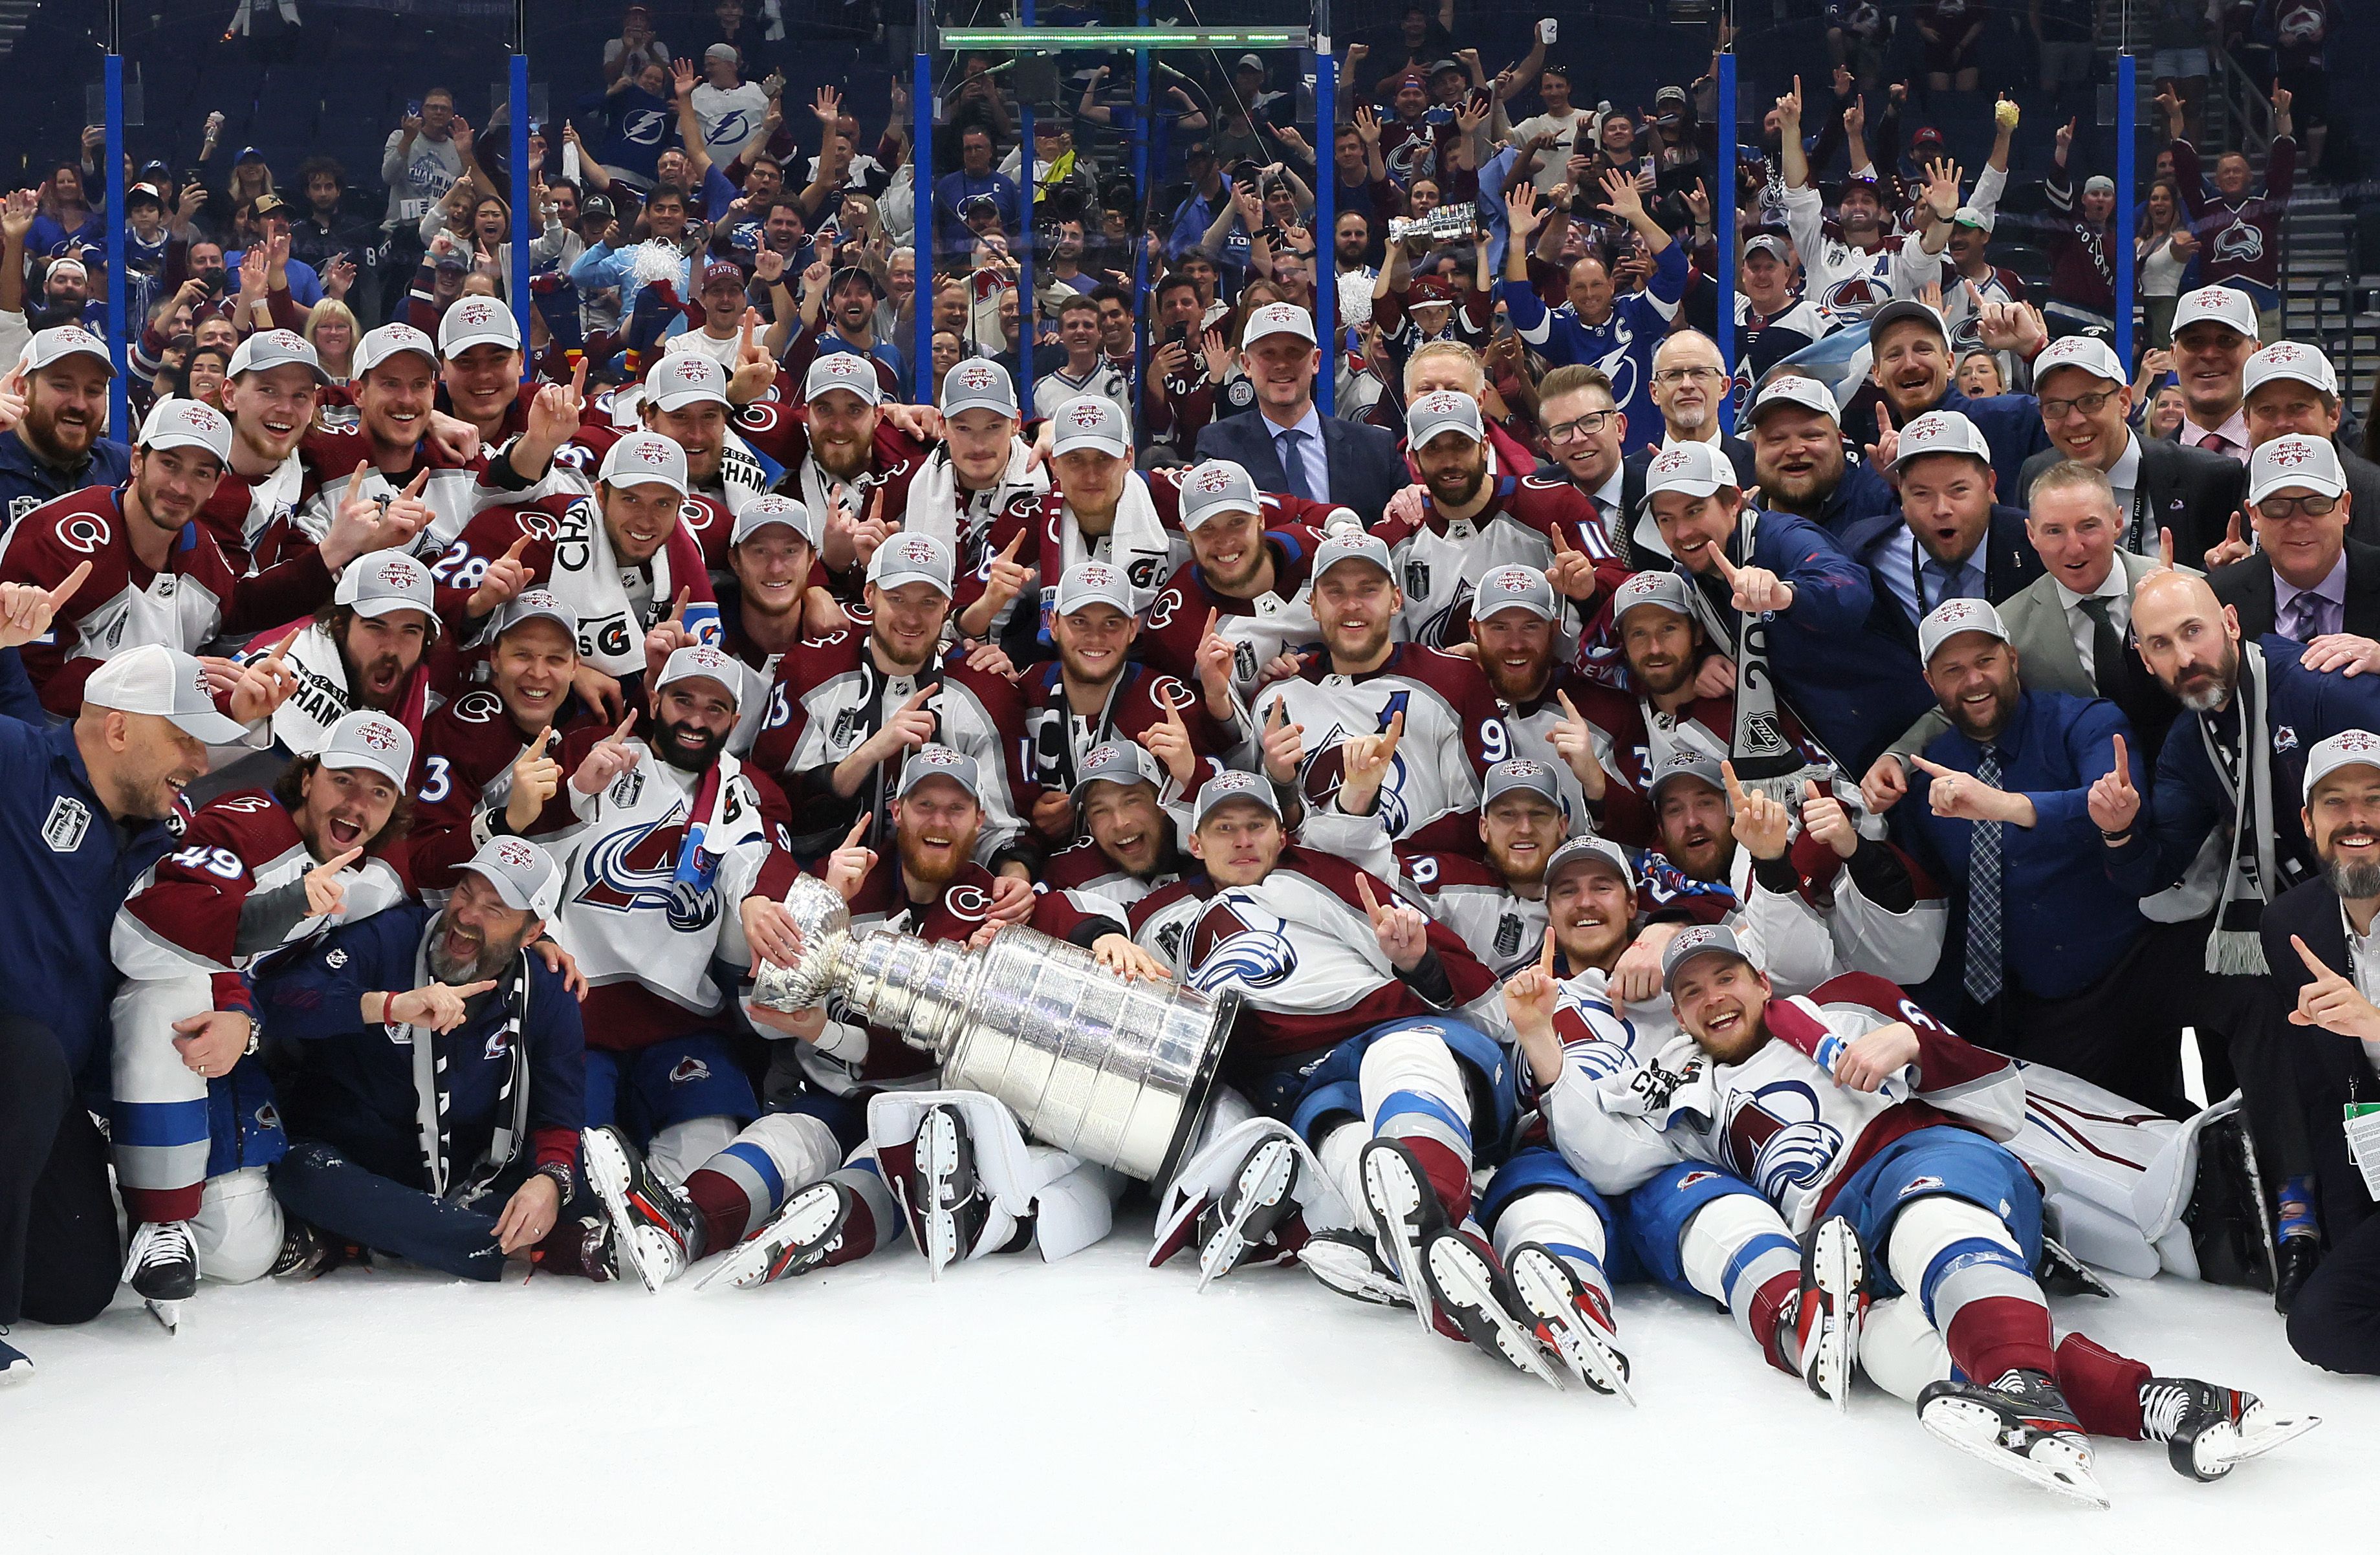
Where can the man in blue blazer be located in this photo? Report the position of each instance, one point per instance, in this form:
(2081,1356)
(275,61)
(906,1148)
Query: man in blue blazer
(1947,537)
(1286,445)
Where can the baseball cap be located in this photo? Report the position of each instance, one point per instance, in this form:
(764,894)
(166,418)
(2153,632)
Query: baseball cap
(390,340)
(1795,389)
(475,320)
(686,378)
(1695,468)
(702,662)
(1277,318)
(1768,243)
(1249,62)
(1445,65)
(1225,787)
(1442,410)
(1670,95)
(1667,589)
(2226,306)
(1088,421)
(1355,546)
(523,874)
(537,604)
(268,204)
(1952,617)
(64,262)
(1087,583)
(1968,215)
(1520,774)
(1901,308)
(1928,135)
(2287,358)
(978,384)
(452,258)
(2293,461)
(1121,762)
(721,270)
(1513,586)
(1941,431)
(2348,748)
(1429,291)
(373,741)
(66,340)
(645,458)
(773,508)
(167,683)
(2088,352)
(1684,764)
(1693,944)
(722,51)
(1582,851)
(149,192)
(249,154)
(2098,183)
(1217,486)
(941,761)
(842,370)
(187,423)
(911,558)
(382,581)
(269,348)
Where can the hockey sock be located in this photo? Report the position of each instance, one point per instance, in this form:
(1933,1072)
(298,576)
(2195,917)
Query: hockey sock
(677,1149)
(1737,1251)
(1340,1152)
(872,1211)
(1898,1349)
(737,1190)
(2102,1388)
(2297,1216)
(1414,1093)
(1963,1265)
(147,1206)
(1565,1226)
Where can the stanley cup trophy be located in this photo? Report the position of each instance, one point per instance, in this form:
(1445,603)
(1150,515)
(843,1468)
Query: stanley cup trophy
(1114,1072)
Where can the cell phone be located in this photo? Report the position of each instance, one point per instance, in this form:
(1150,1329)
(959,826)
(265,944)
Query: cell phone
(1179,334)
(413,107)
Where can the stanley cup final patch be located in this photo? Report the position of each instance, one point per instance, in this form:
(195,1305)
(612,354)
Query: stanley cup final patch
(67,823)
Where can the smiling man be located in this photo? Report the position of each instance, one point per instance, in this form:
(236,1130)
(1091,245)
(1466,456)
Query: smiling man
(270,392)
(1910,365)
(378,644)
(2292,388)
(1800,463)
(60,444)
(1284,444)
(1951,538)
(2307,581)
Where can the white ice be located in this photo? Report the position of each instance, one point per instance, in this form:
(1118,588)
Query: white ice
(1091,1405)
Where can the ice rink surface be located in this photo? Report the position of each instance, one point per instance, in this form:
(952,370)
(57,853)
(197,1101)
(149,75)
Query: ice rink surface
(1092,1405)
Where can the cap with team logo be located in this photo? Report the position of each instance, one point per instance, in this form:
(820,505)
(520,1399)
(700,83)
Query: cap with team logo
(2287,358)
(2228,306)
(1581,852)
(1090,583)
(773,508)
(941,761)
(1353,546)
(1684,764)
(2294,463)
(1793,389)
(842,370)
(538,604)
(1520,774)
(2348,748)
(1442,410)
(1121,762)
(373,741)
(187,423)
(1696,468)
(66,340)
(382,581)
(686,378)
(269,348)
(1942,432)
(1217,486)
(477,321)
(1225,788)
(911,558)
(1277,318)
(978,384)
(1667,589)
(1693,944)
(392,340)
(1952,617)
(645,458)
(1089,421)
(1768,243)
(1905,308)
(1513,586)
(523,874)
(167,683)
(702,662)
(2088,352)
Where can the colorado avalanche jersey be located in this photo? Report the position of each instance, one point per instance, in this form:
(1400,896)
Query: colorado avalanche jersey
(465,776)
(1438,561)
(1280,621)
(1061,737)
(1844,283)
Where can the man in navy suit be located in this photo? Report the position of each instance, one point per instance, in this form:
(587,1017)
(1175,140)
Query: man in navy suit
(1284,442)
(1949,537)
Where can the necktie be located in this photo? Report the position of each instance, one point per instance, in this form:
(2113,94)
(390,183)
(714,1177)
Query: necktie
(1983,949)
(2106,648)
(1947,580)
(1293,463)
(2304,624)
(2215,443)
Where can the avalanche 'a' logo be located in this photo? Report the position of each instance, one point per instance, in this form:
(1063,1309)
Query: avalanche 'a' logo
(1775,1140)
(1236,943)
(1853,296)
(636,868)
(2241,243)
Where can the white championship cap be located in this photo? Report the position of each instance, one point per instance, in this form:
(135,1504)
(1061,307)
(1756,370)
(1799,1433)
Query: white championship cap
(1513,586)
(645,458)
(167,683)
(686,378)
(523,874)
(477,321)
(1952,617)
(911,558)
(773,509)
(1089,421)
(1942,432)
(2348,748)
(2287,358)
(1277,318)
(941,761)
(269,348)
(2293,463)
(187,423)
(381,581)
(702,662)
(373,741)
(2088,352)
(1217,486)
(392,340)
(1696,468)
(2226,306)
(1090,583)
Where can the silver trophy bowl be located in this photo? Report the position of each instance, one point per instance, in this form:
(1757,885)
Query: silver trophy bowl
(1116,1072)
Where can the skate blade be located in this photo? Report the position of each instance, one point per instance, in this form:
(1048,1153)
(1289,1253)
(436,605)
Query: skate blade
(1549,1296)
(1345,1271)
(937,1169)
(1393,1196)
(1841,1270)
(749,1263)
(1466,1289)
(2219,1453)
(167,1313)
(1958,1423)
(607,1172)
(1263,1182)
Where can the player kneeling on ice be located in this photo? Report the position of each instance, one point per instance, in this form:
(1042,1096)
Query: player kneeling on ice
(868,1138)
(1878,1132)
(1356,1050)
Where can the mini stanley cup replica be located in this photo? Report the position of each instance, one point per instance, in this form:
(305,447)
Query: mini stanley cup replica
(1114,1072)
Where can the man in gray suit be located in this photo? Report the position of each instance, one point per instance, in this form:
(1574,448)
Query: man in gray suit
(2073,629)
(2293,388)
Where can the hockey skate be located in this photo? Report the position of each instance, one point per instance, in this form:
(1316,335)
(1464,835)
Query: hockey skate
(945,1199)
(2021,1424)
(163,1269)
(654,1229)
(805,1233)
(2208,1430)
(1257,1201)
(1349,1262)
(1830,1309)
(15,1365)
(1571,1323)
(1470,1296)
(305,1254)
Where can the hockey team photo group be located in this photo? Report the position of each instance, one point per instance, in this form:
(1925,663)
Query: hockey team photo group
(808,769)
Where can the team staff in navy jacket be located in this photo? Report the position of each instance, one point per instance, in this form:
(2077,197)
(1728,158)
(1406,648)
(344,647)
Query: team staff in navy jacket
(1853,687)
(1911,366)
(1947,537)
(408,1016)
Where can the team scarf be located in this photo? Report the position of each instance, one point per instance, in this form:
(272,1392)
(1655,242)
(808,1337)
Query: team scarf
(934,505)
(593,590)
(301,725)
(1762,757)
(432,1117)
(2235,946)
(697,862)
(1137,531)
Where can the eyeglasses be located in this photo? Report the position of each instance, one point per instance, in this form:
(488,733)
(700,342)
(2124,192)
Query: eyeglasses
(2280,510)
(1680,374)
(1586,426)
(2089,405)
